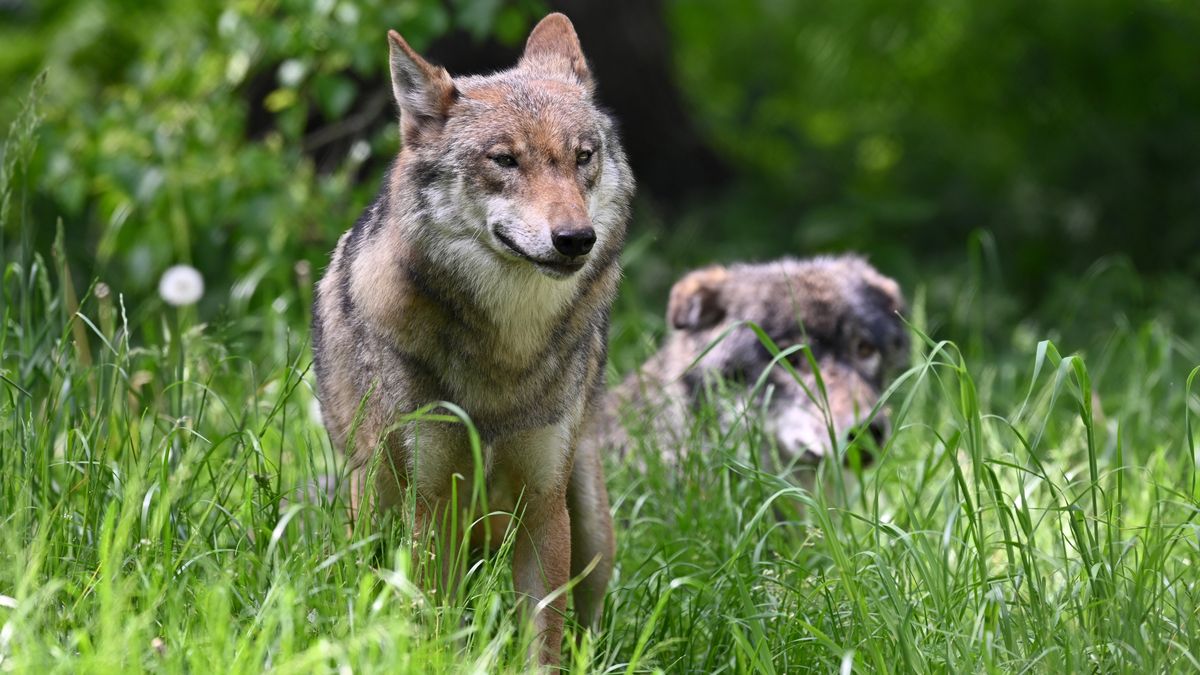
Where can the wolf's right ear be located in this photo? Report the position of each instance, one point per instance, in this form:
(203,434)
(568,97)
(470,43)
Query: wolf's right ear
(424,92)
(696,300)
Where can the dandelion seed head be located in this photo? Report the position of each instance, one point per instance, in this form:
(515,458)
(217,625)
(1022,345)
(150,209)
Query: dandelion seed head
(181,285)
(360,151)
(291,72)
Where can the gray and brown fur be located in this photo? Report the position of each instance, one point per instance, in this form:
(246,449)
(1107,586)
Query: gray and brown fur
(467,280)
(841,307)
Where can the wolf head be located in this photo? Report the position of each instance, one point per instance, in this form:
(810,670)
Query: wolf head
(520,166)
(840,307)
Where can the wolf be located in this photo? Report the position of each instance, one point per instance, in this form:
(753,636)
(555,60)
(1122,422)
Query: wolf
(483,275)
(840,307)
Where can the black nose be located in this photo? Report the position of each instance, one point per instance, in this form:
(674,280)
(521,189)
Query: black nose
(574,242)
(878,429)
(860,453)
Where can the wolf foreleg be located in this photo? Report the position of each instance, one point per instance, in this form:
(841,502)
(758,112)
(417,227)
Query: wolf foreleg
(541,564)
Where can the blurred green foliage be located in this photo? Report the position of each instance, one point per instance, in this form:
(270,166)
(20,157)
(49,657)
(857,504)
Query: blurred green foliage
(230,136)
(1068,128)
(243,137)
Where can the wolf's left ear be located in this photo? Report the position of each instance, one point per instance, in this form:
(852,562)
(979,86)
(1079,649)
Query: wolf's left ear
(424,92)
(696,300)
(553,48)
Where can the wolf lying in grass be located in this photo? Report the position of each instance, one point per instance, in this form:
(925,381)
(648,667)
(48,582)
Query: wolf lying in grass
(841,307)
(483,275)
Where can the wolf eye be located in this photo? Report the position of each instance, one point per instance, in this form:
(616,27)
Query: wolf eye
(798,359)
(583,157)
(506,161)
(865,351)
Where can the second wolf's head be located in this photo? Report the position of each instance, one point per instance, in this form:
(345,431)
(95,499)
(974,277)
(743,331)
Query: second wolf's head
(520,166)
(840,307)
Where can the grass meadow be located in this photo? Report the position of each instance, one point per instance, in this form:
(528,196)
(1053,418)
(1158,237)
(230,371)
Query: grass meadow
(1034,511)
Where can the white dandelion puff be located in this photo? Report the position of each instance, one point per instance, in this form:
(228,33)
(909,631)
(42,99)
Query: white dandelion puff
(291,72)
(181,285)
(360,151)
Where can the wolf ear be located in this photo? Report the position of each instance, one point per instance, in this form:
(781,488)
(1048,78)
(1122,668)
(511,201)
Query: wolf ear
(424,92)
(696,300)
(553,48)
(889,289)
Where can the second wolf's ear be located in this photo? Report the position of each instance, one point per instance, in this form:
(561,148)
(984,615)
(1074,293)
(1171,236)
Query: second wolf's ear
(424,92)
(553,48)
(696,300)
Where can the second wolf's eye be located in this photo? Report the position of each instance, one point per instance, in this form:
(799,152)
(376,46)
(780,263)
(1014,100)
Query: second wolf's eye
(798,359)
(506,161)
(865,350)
(583,157)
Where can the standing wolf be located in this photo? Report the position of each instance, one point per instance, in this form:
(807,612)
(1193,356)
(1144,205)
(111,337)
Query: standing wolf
(483,275)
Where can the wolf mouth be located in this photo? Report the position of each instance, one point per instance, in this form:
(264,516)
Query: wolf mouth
(555,268)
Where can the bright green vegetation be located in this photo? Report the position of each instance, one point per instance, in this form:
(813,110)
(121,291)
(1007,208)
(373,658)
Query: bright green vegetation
(1034,512)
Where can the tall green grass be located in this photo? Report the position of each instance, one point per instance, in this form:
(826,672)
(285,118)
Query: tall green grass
(1033,512)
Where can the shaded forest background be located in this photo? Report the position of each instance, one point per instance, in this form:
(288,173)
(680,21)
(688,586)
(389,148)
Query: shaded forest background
(1047,152)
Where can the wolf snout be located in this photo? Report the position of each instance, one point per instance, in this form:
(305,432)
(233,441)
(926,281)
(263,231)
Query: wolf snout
(809,444)
(574,241)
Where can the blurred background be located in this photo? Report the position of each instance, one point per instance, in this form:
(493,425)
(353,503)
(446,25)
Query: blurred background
(1011,162)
